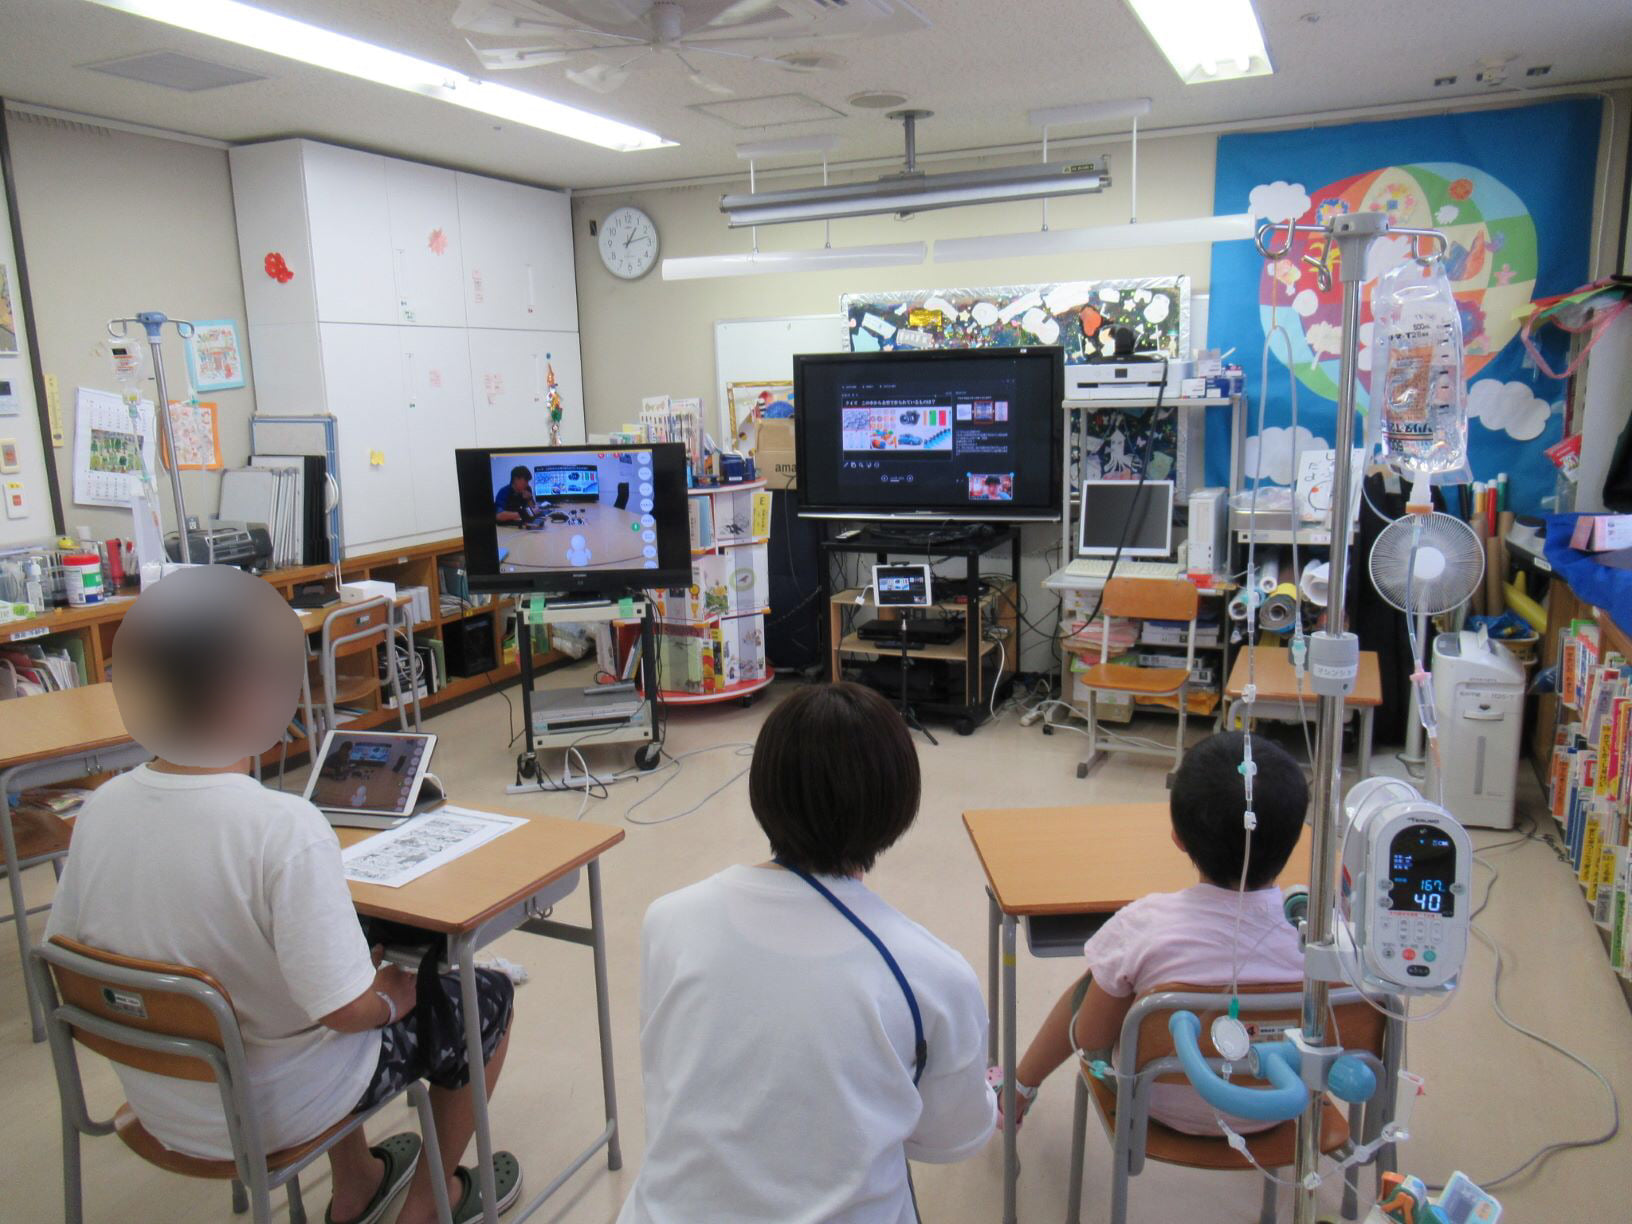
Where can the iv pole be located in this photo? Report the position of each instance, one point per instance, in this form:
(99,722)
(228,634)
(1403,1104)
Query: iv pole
(153,322)
(1334,654)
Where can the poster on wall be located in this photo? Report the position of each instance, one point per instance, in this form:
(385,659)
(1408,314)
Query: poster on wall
(8,319)
(110,449)
(213,359)
(1512,190)
(1080,316)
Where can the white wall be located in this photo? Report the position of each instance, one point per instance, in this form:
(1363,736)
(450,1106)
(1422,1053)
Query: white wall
(24,427)
(652,337)
(115,223)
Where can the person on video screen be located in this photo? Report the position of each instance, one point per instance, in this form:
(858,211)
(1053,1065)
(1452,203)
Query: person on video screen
(514,502)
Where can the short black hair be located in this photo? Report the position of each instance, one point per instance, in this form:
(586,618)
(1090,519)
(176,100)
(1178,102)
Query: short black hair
(1209,796)
(520,472)
(834,782)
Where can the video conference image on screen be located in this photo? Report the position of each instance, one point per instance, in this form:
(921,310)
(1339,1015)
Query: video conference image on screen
(584,511)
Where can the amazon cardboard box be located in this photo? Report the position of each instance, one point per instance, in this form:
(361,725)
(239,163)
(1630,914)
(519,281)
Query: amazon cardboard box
(774,457)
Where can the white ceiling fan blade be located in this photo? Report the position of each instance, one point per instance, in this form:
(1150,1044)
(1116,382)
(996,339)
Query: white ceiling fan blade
(504,17)
(698,79)
(616,12)
(742,10)
(710,49)
(506,59)
(603,77)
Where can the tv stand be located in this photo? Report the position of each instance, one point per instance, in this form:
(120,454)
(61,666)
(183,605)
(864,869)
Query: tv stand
(983,655)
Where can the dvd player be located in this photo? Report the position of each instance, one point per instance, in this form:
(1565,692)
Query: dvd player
(933,632)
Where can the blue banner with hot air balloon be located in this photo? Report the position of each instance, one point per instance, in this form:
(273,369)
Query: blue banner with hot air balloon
(1512,190)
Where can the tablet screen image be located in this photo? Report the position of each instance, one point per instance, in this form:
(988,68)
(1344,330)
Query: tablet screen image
(370,772)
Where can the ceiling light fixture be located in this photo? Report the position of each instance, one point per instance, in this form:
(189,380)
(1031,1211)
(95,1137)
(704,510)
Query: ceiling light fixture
(261,30)
(1206,40)
(913,191)
(756,263)
(1096,238)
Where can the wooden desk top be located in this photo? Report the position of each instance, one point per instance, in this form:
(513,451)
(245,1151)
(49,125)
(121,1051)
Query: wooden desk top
(459,896)
(48,725)
(1277,682)
(1088,859)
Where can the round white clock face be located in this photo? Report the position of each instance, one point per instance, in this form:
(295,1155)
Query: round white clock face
(628,243)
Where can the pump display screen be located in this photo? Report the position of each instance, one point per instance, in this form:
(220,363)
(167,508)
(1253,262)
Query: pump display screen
(1422,868)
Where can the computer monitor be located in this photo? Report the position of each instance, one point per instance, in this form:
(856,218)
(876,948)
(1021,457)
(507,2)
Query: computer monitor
(587,520)
(949,434)
(1124,515)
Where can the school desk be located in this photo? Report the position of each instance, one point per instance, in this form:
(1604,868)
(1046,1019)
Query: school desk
(47,738)
(1079,860)
(1279,690)
(509,884)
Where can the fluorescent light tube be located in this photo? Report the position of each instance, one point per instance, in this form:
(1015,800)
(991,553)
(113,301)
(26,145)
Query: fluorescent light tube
(1206,40)
(911,193)
(297,40)
(760,263)
(1096,238)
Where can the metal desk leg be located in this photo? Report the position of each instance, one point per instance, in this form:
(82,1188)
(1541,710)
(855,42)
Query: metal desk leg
(19,907)
(1011,1162)
(603,1011)
(464,950)
(1366,715)
(994,921)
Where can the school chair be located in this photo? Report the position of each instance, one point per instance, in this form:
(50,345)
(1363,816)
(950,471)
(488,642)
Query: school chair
(350,632)
(1144,1055)
(177,1021)
(1169,599)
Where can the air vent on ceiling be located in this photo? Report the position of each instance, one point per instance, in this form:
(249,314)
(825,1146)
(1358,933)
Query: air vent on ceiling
(174,71)
(877,99)
(773,110)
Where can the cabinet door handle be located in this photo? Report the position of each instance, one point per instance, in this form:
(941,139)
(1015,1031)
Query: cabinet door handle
(530,295)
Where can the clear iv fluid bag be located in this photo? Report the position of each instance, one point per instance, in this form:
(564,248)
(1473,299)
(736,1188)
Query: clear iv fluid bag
(1418,392)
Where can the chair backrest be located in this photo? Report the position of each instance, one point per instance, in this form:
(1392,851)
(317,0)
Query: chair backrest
(1267,1011)
(1151,599)
(353,628)
(129,1007)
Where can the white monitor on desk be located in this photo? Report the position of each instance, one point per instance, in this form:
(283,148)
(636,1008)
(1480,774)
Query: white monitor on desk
(1127,517)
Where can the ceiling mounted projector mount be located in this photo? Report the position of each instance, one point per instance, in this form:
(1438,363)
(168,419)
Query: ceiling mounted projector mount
(912,191)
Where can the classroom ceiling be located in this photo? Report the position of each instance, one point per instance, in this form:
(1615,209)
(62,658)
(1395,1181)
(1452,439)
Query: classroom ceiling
(979,66)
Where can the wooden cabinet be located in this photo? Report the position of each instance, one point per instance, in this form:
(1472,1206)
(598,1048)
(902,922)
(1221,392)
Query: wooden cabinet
(424,309)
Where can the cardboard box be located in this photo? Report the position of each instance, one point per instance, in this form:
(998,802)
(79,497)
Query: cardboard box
(774,454)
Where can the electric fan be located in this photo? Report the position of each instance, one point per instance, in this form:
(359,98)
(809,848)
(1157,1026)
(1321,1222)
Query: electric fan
(1423,565)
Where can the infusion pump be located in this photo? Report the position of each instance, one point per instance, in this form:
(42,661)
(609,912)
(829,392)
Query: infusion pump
(1403,901)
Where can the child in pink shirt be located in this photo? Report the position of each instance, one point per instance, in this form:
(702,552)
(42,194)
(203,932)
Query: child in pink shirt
(1189,936)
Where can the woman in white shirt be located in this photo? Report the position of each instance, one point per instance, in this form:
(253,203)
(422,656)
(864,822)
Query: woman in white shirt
(800,1039)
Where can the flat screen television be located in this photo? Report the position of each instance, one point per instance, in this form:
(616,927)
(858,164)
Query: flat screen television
(941,435)
(585,520)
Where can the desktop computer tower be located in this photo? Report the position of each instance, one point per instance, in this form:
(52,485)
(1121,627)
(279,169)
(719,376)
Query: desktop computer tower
(1209,534)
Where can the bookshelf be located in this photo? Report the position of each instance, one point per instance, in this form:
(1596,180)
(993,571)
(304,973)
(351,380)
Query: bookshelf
(711,635)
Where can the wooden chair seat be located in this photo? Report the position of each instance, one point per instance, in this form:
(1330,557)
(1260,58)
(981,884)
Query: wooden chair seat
(1143,681)
(39,833)
(349,686)
(141,1141)
(1275,1148)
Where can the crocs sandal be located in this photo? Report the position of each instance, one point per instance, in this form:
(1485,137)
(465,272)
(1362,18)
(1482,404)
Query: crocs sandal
(1024,1095)
(506,1184)
(400,1154)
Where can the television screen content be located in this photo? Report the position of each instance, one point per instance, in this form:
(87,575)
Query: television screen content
(948,434)
(575,519)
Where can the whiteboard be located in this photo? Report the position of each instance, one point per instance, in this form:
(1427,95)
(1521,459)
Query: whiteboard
(762,350)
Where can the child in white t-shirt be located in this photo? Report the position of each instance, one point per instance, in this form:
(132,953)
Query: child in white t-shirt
(1190,936)
(188,860)
(784,1073)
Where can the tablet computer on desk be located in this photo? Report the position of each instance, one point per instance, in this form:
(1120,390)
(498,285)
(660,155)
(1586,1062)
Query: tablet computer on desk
(373,779)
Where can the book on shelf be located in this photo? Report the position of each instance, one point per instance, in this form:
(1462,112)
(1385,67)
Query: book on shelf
(700,511)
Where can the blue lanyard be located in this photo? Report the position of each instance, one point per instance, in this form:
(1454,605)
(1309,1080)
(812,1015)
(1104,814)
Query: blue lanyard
(920,1048)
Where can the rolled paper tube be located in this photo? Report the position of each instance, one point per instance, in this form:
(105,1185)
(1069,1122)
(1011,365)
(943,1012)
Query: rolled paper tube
(1312,585)
(1280,609)
(1239,604)
(1269,574)
(1504,524)
(1533,613)
(1494,602)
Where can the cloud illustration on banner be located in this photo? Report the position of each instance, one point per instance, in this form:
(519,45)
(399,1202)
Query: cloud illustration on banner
(1508,407)
(1274,448)
(1278,201)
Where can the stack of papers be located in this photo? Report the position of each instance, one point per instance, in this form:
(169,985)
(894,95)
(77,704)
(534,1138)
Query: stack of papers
(403,854)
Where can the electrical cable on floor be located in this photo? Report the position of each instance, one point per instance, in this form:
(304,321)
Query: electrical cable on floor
(742,749)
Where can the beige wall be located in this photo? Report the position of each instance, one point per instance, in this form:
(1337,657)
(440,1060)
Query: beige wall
(115,223)
(652,337)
